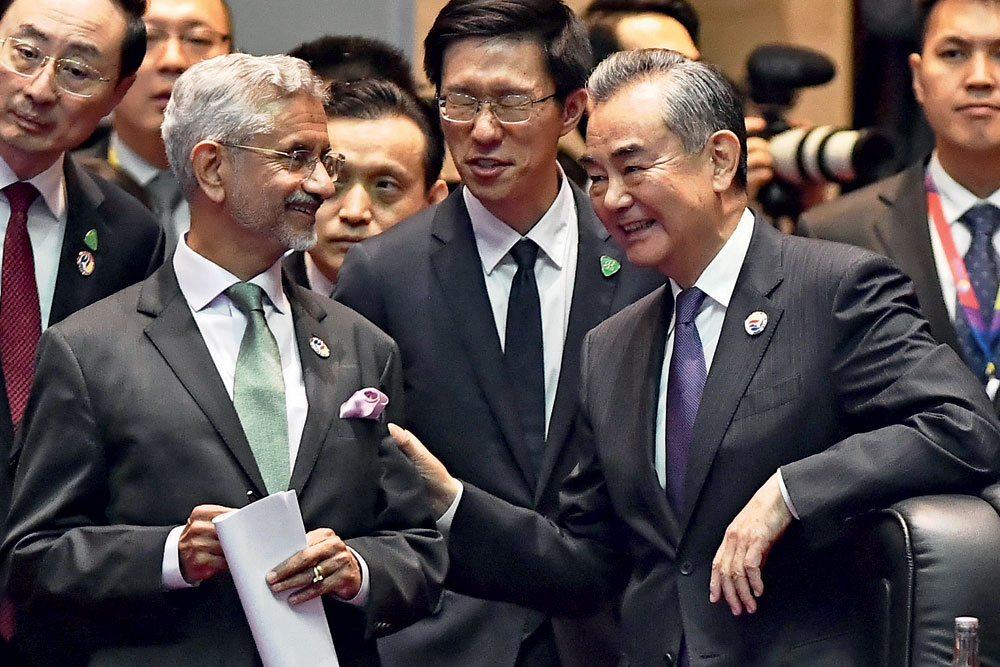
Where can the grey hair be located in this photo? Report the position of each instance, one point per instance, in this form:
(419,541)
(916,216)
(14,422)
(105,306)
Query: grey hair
(229,99)
(698,100)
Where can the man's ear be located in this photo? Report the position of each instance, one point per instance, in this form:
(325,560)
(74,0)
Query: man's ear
(210,164)
(918,86)
(572,110)
(724,151)
(119,92)
(438,192)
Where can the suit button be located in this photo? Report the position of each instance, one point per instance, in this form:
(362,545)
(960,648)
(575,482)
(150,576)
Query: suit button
(668,659)
(687,567)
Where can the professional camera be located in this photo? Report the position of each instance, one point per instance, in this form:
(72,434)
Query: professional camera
(816,155)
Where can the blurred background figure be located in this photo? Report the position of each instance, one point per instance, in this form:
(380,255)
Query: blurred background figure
(179,33)
(393,162)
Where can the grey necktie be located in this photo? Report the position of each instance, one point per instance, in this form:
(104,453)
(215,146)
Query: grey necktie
(259,389)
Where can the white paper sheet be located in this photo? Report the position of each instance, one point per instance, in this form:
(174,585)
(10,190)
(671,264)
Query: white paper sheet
(254,540)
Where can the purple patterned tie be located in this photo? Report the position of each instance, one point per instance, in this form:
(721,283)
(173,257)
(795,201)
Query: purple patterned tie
(685,383)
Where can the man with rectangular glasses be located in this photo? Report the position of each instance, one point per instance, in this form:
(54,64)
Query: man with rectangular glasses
(68,239)
(215,382)
(179,33)
(489,295)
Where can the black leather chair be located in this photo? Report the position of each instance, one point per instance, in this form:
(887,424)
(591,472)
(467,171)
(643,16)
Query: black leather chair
(922,562)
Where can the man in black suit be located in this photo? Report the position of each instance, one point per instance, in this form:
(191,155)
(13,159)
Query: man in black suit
(213,383)
(774,389)
(957,81)
(442,283)
(81,238)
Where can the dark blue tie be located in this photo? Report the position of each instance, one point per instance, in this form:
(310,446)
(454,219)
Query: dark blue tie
(685,384)
(523,351)
(981,264)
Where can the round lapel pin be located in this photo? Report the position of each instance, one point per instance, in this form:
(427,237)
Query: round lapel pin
(755,322)
(85,263)
(319,347)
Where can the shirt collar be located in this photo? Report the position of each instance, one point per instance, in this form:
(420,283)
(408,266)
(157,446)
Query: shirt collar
(495,238)
(129,160)
(202,281)
(317,279)
(51,184)
(718,280)
(955,199)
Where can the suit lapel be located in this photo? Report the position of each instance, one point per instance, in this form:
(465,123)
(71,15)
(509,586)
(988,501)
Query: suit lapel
(74,290)
(592,299)
(459,273)
(639,380)
(175,335)
(736,358)
(319,375)
(906,237)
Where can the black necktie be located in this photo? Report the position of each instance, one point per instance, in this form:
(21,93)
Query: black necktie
(523,350)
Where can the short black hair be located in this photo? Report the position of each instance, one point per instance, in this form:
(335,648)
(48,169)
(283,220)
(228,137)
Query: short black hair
(679,10)
(924,9)
(373,99)
(353,58)
(560,34)
(133,46)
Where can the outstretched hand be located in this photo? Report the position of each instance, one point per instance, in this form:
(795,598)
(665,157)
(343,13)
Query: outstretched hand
(442,488)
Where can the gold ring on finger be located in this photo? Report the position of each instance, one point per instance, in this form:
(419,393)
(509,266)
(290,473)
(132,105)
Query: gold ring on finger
(317,573)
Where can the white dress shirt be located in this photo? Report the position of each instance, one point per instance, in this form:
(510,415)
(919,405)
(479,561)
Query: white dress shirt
(318,282)
(144,173)
(47,218)
(557,235)
(955,201)
(221,323)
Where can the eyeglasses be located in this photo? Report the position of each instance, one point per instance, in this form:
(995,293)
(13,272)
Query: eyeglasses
(509,109)
(25,59)
(301,162)
(195,43)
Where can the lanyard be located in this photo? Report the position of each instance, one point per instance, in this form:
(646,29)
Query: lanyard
(985,337)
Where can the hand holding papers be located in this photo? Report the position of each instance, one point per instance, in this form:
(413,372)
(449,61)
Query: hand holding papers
(254,539)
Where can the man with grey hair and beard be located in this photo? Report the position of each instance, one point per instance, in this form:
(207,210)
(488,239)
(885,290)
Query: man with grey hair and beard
(824,396)
(209,385)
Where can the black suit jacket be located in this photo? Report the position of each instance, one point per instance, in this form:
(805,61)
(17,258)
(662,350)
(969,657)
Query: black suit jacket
(422,283)
(844,390)
(129,248)
(130,427)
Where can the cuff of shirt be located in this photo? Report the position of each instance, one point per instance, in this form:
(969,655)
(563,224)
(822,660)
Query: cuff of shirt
(444,522)
(361,598)
(172,578)
(784,494)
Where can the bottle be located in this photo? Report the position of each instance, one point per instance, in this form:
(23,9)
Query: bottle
(966,642)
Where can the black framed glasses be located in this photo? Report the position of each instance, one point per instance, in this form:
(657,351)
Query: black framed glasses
(196,43)
(301,162)
(509,109)
(73,76)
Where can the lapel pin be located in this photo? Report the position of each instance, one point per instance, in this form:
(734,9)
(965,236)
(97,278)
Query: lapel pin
(609,266)
(85,263)
(755,322)
(90,239)
(319,347)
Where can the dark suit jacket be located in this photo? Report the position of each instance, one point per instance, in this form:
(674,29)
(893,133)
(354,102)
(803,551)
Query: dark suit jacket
(295,266)
(130,427)
(890,217)
(845,390)
(422,283)
(129,247)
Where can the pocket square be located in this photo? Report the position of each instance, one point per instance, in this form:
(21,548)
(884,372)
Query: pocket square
(367,403)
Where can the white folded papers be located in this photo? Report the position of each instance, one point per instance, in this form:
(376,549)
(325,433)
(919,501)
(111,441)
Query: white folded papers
(254,540)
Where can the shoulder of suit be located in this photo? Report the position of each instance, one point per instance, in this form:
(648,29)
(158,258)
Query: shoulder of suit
(340,319)
(626,318)
(861,207)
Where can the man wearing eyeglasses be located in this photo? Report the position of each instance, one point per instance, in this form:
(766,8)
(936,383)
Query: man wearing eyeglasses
(179,33)
(491,349)
(212,384)
(68,239)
